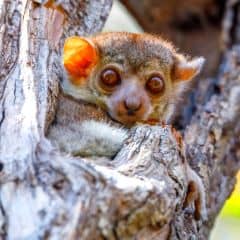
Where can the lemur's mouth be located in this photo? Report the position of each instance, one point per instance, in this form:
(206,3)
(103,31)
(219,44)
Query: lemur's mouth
(130,112)
(128,118)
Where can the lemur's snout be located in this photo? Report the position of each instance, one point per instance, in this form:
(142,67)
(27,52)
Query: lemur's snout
(132,105)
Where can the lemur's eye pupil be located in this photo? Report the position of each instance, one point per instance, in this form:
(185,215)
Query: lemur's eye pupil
(110,77)
(155,84)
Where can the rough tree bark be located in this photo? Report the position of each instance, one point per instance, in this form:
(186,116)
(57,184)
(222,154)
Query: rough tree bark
(140,194)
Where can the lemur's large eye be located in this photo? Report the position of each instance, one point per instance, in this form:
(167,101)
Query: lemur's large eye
(155,84)
(110,77)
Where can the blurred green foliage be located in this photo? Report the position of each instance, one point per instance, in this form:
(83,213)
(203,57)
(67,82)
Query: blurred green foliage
(232,205)
(227,226)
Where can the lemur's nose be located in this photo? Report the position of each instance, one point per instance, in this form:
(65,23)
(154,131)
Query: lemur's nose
(132,105)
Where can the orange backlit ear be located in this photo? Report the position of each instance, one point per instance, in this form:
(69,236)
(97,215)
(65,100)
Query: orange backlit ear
(79,56)
(186,70)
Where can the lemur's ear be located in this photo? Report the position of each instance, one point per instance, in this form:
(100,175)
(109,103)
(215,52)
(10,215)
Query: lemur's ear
(79,56)
(185,70)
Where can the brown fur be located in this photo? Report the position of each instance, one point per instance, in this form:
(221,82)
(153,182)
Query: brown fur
(134,50)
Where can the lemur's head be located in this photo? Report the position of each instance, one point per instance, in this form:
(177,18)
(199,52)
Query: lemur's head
(134,77)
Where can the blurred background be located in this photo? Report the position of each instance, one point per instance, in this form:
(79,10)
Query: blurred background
(194,26)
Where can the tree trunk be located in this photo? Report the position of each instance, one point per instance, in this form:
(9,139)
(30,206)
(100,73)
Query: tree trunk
(138,195)
(193,25)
